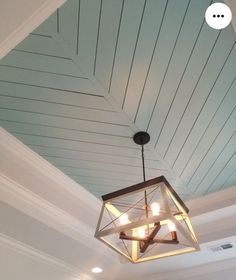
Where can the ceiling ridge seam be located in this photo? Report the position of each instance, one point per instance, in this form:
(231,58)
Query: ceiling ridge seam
(78,61)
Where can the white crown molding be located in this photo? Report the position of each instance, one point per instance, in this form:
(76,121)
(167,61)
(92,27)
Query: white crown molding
(205,270)
(17,151)
(212,202)
(42,257)
(232,5)
(33,205)
(70,204)
(21,31)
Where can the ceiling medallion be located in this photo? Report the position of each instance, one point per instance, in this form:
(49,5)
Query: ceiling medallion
(146,221)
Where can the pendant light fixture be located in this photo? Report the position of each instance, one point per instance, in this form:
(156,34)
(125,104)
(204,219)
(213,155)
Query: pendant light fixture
(146,221)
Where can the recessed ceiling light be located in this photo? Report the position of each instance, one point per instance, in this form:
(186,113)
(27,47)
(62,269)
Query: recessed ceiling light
(96,270)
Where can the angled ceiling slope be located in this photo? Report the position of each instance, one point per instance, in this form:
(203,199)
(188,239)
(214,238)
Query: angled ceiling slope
(78,88)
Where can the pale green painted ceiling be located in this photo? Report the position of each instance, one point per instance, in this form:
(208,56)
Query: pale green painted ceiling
(78,88)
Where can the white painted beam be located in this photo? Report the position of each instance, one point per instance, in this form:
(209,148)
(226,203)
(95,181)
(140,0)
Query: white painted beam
(232,5)
(19,18)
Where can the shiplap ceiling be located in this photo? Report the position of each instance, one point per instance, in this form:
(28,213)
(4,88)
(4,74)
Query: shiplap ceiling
(78,88)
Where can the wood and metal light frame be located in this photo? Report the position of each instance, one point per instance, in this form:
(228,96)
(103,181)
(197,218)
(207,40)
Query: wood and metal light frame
(146,221)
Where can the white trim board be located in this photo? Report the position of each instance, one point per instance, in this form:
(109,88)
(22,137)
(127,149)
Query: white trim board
(17,151)
(39,256)
(205,270)
(232,5)
(33,205)
(25,18)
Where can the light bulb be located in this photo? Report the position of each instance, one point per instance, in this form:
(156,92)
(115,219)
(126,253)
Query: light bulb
(96,269)
(124,219)
(155,207)
(171,226)
(141,232)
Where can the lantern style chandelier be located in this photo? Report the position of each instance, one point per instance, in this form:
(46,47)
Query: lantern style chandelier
(146,221)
